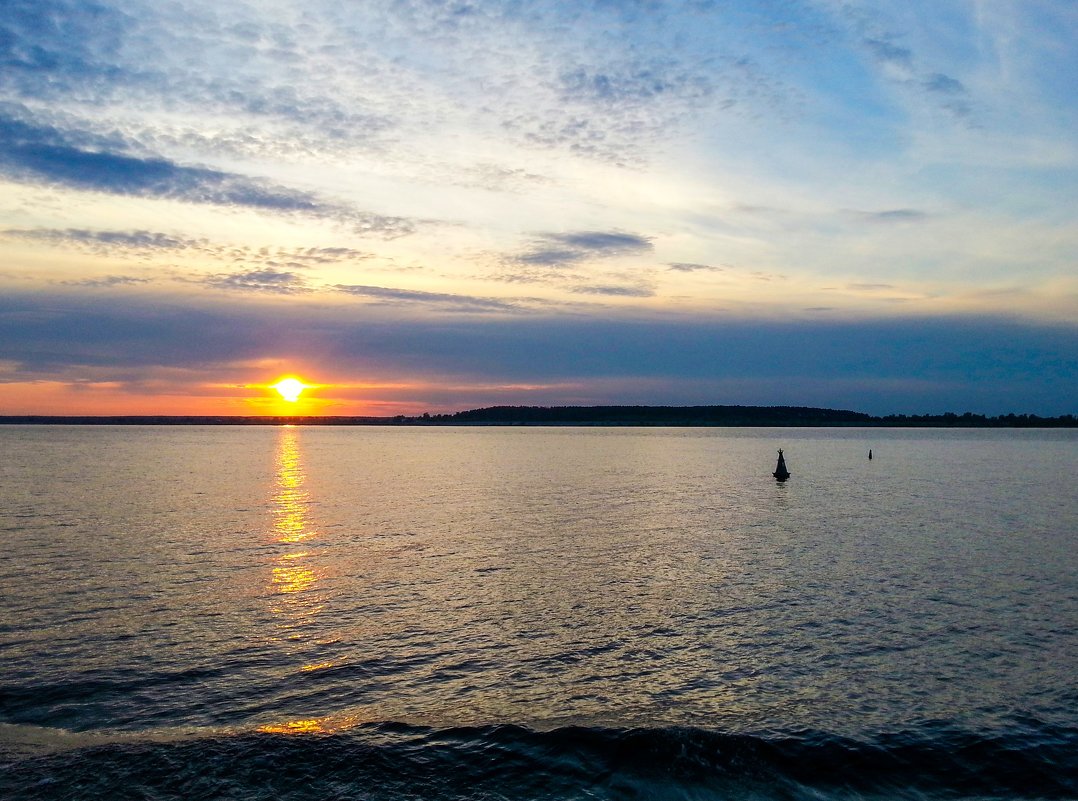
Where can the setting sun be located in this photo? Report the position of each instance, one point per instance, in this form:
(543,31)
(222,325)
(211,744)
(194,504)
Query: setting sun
(290,388)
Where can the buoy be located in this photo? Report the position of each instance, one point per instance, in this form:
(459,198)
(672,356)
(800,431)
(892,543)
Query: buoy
(781,473)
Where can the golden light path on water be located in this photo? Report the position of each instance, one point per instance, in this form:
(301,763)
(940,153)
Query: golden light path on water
(294,576)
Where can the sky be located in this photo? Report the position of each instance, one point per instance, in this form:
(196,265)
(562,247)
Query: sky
(434,205)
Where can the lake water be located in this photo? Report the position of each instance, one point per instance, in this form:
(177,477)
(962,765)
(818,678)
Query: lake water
(258,612)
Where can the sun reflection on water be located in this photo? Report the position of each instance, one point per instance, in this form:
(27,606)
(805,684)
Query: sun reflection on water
(290,578)
(330,724)
(294,576)
(291,499)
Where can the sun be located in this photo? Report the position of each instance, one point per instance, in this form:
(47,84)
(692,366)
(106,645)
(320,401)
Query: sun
(290,388)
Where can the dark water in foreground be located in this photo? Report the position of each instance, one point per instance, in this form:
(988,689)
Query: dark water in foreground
(537,613)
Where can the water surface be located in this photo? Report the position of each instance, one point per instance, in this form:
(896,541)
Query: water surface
(577,602)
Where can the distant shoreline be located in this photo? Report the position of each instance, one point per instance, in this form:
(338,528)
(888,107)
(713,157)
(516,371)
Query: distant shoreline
(593,416)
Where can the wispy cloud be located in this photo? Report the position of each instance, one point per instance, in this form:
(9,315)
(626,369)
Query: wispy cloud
(623,111)
(108,281)
(445,301)
(614,290)
(101,240)
(888,52)
(894,216)
(691,267)
(633,84)
(264,280)
(869,287)
(944,84)
(570,248)
(901,64)
(143,243)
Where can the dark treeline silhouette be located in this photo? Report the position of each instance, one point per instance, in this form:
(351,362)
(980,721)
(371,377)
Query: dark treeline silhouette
(731,416)
(970,420)
(658,416)
(594,416)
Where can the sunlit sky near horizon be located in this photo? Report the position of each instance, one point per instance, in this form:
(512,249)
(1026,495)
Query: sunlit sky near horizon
(430,206)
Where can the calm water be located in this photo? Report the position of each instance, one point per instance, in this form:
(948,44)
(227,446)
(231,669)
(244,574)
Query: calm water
(537,613)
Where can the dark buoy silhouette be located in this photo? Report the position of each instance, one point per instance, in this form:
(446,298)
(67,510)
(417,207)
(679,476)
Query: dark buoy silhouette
(781,473)
(870,454)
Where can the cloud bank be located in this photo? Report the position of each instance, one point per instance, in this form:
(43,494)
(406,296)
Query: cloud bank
(977,364)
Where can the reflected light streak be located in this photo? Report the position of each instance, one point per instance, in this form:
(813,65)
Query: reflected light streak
(331,724)
(294,598)
(291,500)
(310,726)
(290,579)
(293,579)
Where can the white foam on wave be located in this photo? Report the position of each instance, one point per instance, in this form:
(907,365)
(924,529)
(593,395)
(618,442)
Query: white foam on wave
(25,739)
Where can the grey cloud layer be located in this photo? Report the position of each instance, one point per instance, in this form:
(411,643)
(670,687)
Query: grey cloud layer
(959,363)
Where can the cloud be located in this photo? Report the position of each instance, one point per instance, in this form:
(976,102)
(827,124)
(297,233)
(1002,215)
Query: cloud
(604,242)
(886,52)
(42,154)
(614,291)
(264,280)
(101,240)
(571,248)
(39,154)
(140,242)
(51,46)
(690,267)
(869,287)
(632,85)
(949,92)
(179,58)
(624,109)
(277,258)
(952,91)
(551,256)
(981,364)
(449,302)
(497,178)
(894,216)
(107,282)
(309,257)
(943,84)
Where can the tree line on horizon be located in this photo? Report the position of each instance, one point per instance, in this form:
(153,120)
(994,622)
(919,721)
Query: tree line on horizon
(727,416)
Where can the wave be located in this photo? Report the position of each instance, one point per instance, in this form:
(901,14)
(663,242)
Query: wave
(397,761)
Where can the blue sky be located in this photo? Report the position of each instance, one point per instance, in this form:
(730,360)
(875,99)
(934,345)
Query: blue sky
(440,205)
